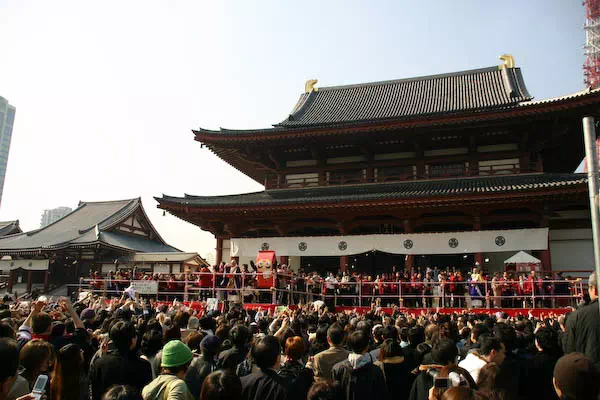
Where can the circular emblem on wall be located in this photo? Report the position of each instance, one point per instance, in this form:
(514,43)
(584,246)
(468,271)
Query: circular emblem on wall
(264,246)
(453,243)
(408,244)
(302,246)
(500,240)
(342,245)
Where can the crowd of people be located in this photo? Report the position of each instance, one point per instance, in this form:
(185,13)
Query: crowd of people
(419,287)
(125,347)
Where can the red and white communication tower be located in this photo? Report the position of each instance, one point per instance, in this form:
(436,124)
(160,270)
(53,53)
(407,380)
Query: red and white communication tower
(591,68)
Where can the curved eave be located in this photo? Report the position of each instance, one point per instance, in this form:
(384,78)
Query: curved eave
(180,210)
(525,109)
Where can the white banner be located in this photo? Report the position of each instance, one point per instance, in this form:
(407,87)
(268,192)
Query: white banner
(145,287)
(406,243)
(28,265)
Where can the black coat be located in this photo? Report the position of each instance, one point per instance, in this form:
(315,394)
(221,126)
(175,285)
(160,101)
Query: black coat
(229,359)
(198,371)
(421,386)
(583,332)
(365,382)
(298,379)
(264,385)
(115,369)
(398,378)
(540,372)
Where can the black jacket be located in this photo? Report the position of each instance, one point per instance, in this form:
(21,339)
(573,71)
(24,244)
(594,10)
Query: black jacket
(116,369)
(199,369)
(421,386)
(264,385)
(583,332)
(298,379)
(540,372)
(229,359)
(398,376)
(363,381)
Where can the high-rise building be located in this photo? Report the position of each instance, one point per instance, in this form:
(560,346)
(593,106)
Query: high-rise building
(49,216)
(7,120)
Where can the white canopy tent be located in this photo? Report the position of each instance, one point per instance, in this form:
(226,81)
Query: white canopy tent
(523,262)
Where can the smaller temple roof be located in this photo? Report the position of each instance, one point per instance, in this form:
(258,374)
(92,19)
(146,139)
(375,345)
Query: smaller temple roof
(382,191)
(89,224)
(193,258)
(9,228)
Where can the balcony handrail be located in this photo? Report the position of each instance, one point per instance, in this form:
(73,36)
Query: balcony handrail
(451,171)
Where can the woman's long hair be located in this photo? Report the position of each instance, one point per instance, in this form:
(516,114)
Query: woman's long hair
(36,357)
(66,378)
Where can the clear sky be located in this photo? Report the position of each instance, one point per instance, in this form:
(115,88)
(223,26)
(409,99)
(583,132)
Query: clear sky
(107,92)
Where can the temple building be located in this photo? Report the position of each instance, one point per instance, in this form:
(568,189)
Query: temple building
(443,170)
(96,236)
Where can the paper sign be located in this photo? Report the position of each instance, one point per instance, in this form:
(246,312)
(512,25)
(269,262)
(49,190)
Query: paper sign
(212,304)
(145,287)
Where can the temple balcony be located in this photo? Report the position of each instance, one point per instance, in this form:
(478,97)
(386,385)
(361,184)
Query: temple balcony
(336,177)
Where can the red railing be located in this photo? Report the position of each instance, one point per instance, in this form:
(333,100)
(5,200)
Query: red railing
(418,294)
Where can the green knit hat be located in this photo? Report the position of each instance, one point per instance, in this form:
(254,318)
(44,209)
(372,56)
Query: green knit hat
(175,353)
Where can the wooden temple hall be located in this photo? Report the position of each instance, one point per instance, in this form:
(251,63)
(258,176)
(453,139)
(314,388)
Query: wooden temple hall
(443,170)
(95,237)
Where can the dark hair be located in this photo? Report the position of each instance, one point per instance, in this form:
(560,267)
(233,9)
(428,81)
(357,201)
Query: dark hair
(122,333)
(65,383)
(547,339)
(121,392)
(172,333)
(151,343)
(193,341)
(336,334)
(389,332)
(222,385)
(506,334)
(40,323)
(479,330)
(378,333)
(358,341)
(6,331)
(32,357)
(495,380)
(390,348)
(489,343)
(266,352)
(325,389)
(9,354)
(445,352)
(416,335)
(404,333)
(240,335)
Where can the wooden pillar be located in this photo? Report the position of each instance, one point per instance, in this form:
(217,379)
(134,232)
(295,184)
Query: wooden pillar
(344,263)
(170,269)
(479,259)
(409,261)
(29,283)
(219,250)
(11,280)
(284,260)
(46,281)
(545,259)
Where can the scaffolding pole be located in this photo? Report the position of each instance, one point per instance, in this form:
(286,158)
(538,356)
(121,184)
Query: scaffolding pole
(591,158)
